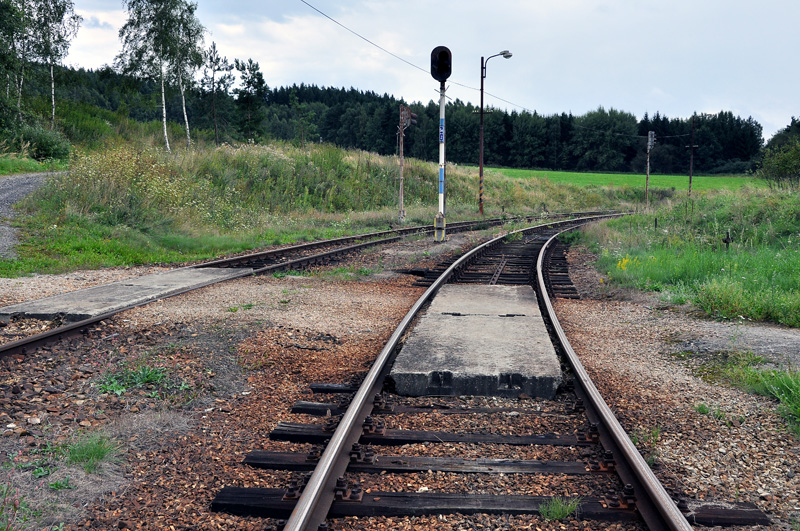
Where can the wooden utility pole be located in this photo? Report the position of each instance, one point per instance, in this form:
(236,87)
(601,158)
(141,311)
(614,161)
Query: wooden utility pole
(407,118)
(692,147)
(651,139)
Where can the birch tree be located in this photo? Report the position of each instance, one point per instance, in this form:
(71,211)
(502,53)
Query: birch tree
(11,22)
(189,56)
(151,42)
(22,45)
(56,24)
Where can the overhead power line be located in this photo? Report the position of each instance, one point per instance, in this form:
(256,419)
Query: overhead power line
(409,63)
(381,48)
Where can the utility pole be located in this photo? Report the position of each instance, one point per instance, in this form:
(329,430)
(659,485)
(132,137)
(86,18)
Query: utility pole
(407,118)
(691,146)
(651,140)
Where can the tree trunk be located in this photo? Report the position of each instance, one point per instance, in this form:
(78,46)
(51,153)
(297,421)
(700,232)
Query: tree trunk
(164,112)
(19,92)
(52,98)
(185,116)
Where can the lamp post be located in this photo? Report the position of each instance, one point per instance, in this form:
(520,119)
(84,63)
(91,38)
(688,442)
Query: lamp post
(506,54)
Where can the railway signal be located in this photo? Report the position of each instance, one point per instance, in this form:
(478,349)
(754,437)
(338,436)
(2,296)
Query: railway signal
(441,68)
(441,63)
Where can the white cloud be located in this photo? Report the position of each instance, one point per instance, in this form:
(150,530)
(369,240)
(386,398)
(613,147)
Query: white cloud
(673,57)
(97,42)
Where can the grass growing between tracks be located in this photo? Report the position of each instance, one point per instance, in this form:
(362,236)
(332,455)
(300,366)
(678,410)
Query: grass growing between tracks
(126,206)
(559,508)
(682,250)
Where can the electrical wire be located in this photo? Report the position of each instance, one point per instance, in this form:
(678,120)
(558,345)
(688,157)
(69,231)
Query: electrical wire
(381,48)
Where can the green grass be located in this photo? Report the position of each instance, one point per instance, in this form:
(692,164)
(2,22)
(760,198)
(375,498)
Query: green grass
(784,386)
(13,165)
(683,256)
(129,204)
(678,182)
(741,369)
(118,382)
(559,508)
(91,450)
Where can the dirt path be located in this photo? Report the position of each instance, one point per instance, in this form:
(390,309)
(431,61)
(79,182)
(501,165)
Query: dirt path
(13,188)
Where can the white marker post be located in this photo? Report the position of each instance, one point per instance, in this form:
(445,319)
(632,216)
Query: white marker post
(441,67)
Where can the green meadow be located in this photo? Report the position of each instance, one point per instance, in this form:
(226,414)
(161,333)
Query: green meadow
(677,182)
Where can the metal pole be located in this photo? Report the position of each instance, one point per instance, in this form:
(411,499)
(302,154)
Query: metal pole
(506,54)
(440,221)
(480,163)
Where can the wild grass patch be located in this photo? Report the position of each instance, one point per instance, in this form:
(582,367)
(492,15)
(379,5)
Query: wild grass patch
(90,450)
(735,258)
(783,386)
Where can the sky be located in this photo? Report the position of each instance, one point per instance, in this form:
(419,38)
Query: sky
(675,57)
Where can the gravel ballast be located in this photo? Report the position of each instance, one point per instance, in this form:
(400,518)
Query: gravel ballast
(239,354)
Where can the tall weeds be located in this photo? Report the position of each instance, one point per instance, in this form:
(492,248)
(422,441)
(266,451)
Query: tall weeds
(130,204)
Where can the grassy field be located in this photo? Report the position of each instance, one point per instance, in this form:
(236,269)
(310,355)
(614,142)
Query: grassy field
(678,182)
(133,204)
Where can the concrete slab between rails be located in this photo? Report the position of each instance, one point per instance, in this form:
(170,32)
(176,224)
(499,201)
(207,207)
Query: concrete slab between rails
(479,340)
(97,300)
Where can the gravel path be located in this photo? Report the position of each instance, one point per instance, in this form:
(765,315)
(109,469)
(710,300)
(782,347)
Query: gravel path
(13,188)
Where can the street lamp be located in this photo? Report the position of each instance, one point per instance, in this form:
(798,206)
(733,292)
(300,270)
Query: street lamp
(506,54)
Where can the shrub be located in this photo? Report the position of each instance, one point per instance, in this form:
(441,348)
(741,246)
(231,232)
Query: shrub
(781,166)
(43,143)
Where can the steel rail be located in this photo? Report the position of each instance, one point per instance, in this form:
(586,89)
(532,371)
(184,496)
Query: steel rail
(314,503)
(663,513)
(79,327)
(21,346)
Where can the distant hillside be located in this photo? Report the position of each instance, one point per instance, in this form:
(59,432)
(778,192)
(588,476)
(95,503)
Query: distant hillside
(93,106)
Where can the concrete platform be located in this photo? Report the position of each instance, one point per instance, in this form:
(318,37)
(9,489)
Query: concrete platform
(97,300)
(479,340)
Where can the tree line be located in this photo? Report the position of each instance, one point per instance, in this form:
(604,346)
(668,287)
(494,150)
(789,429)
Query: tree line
(166,72)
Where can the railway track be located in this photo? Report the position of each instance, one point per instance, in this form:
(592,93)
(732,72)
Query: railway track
(265,262)
(576,435)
